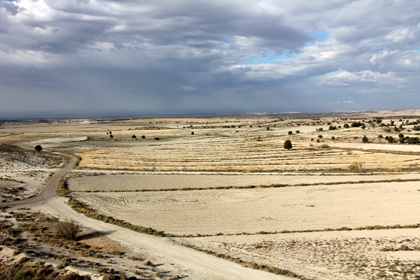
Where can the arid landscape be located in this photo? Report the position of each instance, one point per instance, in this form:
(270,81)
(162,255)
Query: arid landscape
(215,197)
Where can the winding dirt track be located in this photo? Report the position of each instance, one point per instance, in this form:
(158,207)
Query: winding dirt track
(50,190)
(195,264)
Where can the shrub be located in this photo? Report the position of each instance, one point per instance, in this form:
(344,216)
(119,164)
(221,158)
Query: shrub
(287,144)
(380,136)
(346,125)
(390,139)
(413,140)
(290,133)
(143,137)
(321,129)
(365,139)
(133,137)
(38,148)
(297,131)
(319,136)
(22,275)
(67,230)
(116,252)
(355,167)
(63,188)
(74,276)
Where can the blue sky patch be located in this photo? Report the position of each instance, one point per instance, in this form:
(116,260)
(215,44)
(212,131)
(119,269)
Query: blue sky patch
(337,72)
(320,37)
(270,58)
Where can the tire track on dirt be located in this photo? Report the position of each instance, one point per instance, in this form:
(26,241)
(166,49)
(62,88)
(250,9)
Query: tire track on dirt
(197,265)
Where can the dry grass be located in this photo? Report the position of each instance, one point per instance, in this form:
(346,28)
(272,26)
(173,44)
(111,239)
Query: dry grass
(243,156)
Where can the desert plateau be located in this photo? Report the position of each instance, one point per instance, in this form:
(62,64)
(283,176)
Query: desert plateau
(215,197)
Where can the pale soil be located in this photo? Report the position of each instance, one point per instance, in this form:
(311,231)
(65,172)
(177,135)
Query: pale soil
(245,150)
(59,140)
(170,257)
(150,182)
(326,255)
(384,147)
(247,156)
(24,170)
(253,210)
(83,265)
(31,181)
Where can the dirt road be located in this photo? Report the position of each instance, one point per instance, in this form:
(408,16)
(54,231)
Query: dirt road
(182,260)
(50,190)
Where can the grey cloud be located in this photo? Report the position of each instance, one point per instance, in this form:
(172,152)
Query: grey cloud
(161,55)
(9,7)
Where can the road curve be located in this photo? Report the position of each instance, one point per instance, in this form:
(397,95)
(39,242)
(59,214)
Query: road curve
(197,265)
(50,190)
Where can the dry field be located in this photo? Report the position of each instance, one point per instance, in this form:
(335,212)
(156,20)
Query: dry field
(349,255)
(236,211)
(122,182)
(229,186)
(243,155)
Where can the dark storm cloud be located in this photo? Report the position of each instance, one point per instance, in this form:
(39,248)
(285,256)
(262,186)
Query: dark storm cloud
(181,55)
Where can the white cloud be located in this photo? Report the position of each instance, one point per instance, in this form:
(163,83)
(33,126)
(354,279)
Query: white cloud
(365,76)
(168,49)
(189,88)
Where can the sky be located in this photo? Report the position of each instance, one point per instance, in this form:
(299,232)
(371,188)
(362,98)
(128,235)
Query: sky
(93,57)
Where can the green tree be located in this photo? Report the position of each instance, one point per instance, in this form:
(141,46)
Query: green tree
(413,140)
(287,145)
(38,148)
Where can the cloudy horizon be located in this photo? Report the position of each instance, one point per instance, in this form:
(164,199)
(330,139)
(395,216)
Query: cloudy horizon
(81,57)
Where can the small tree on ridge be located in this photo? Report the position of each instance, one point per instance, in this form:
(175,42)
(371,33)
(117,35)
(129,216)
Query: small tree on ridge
(287,145)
